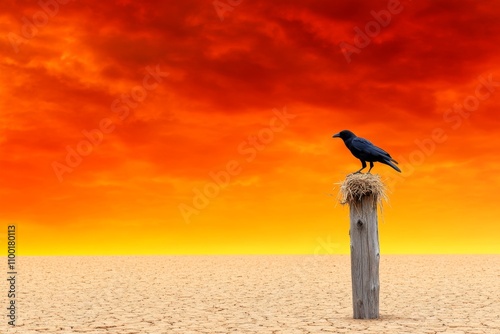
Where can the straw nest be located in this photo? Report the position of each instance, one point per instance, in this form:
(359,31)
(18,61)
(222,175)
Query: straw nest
(356,186)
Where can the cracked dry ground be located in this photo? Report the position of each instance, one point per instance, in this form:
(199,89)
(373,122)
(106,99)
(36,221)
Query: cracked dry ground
(252,294)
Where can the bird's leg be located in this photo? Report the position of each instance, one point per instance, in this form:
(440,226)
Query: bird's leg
(371,166)
(363,164)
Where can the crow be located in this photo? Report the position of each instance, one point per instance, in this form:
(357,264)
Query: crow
(365,151)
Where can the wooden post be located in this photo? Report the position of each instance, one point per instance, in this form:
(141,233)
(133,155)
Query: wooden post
(363,192)
(365,257)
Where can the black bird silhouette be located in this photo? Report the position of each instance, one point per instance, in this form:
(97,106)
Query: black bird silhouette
(365,151)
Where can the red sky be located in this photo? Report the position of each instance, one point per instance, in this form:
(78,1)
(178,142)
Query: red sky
(69,67)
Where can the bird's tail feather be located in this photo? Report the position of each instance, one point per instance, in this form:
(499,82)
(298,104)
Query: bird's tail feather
(390,163)
(394,161)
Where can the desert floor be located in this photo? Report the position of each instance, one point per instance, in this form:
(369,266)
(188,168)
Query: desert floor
(252,294)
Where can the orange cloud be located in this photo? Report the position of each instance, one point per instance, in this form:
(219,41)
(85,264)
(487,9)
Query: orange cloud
(62,76)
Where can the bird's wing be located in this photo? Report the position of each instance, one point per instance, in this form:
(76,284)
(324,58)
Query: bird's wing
(366,147)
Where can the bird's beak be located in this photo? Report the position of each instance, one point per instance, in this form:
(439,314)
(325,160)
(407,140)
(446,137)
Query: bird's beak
(337,135)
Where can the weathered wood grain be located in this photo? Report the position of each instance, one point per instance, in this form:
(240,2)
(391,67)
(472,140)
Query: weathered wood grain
(365,257)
